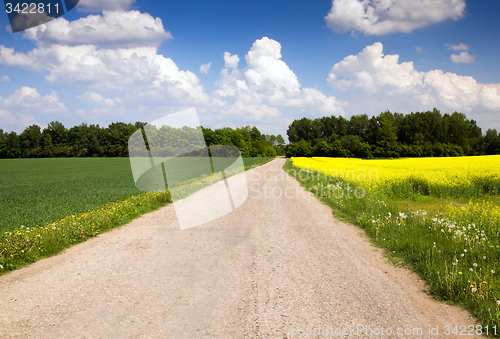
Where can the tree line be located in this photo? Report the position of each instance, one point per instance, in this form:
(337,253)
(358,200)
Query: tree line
(112,141)
(391,135)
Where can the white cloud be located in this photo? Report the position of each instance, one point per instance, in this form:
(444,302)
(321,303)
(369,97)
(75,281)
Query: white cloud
(389,16)
(231,61)
(267,80)
(28,120)
(97,99)
(9,57)
(419,49)
(204,68)
(19,109)
(5,78)
(112,29)
(372,72)
(7,116)
(100,5)
(139,70)
(489,97)
(29,98)
(463,58)
(460,47)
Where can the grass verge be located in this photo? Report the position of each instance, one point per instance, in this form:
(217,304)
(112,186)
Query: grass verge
(25,245)
(455,249)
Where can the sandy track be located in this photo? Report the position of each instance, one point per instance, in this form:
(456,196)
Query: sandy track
(271,264)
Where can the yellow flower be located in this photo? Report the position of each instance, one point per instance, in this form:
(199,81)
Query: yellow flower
(459,272)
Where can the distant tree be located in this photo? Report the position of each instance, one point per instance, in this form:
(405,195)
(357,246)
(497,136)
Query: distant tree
(492,141)
(57,133)
(395,134)
(299,149)
(322,149)
(31,137)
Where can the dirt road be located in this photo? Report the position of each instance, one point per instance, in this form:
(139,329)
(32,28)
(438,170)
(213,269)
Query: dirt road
(273,268)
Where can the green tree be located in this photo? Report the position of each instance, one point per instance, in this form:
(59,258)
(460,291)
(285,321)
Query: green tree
(299,149)
(31,137)
(492,142)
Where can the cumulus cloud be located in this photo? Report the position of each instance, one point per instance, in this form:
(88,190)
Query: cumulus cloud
(9,57)
(98,100)
(204,68)
(378,17)
(419,49)
(463,58)
(7,116)
(79,54)
(460,47)
(5,78)
(100,5)
(29,98)
(137,70)
(231,61)
(372,72)
(112,29)
(18,109)
(267,80)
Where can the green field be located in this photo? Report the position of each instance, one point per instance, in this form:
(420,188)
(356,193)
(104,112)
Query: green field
(36,191)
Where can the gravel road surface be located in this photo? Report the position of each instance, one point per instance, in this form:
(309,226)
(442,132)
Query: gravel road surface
(277,266)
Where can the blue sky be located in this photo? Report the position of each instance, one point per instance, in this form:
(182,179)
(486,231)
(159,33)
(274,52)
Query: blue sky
(262,63)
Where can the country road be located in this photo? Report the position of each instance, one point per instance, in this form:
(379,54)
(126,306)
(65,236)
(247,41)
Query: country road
(275,265)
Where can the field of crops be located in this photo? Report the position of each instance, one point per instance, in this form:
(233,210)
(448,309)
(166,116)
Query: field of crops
(37,191)
(440,177)
(453,243)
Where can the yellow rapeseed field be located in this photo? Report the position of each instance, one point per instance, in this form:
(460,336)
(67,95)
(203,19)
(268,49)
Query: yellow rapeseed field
(461,174)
